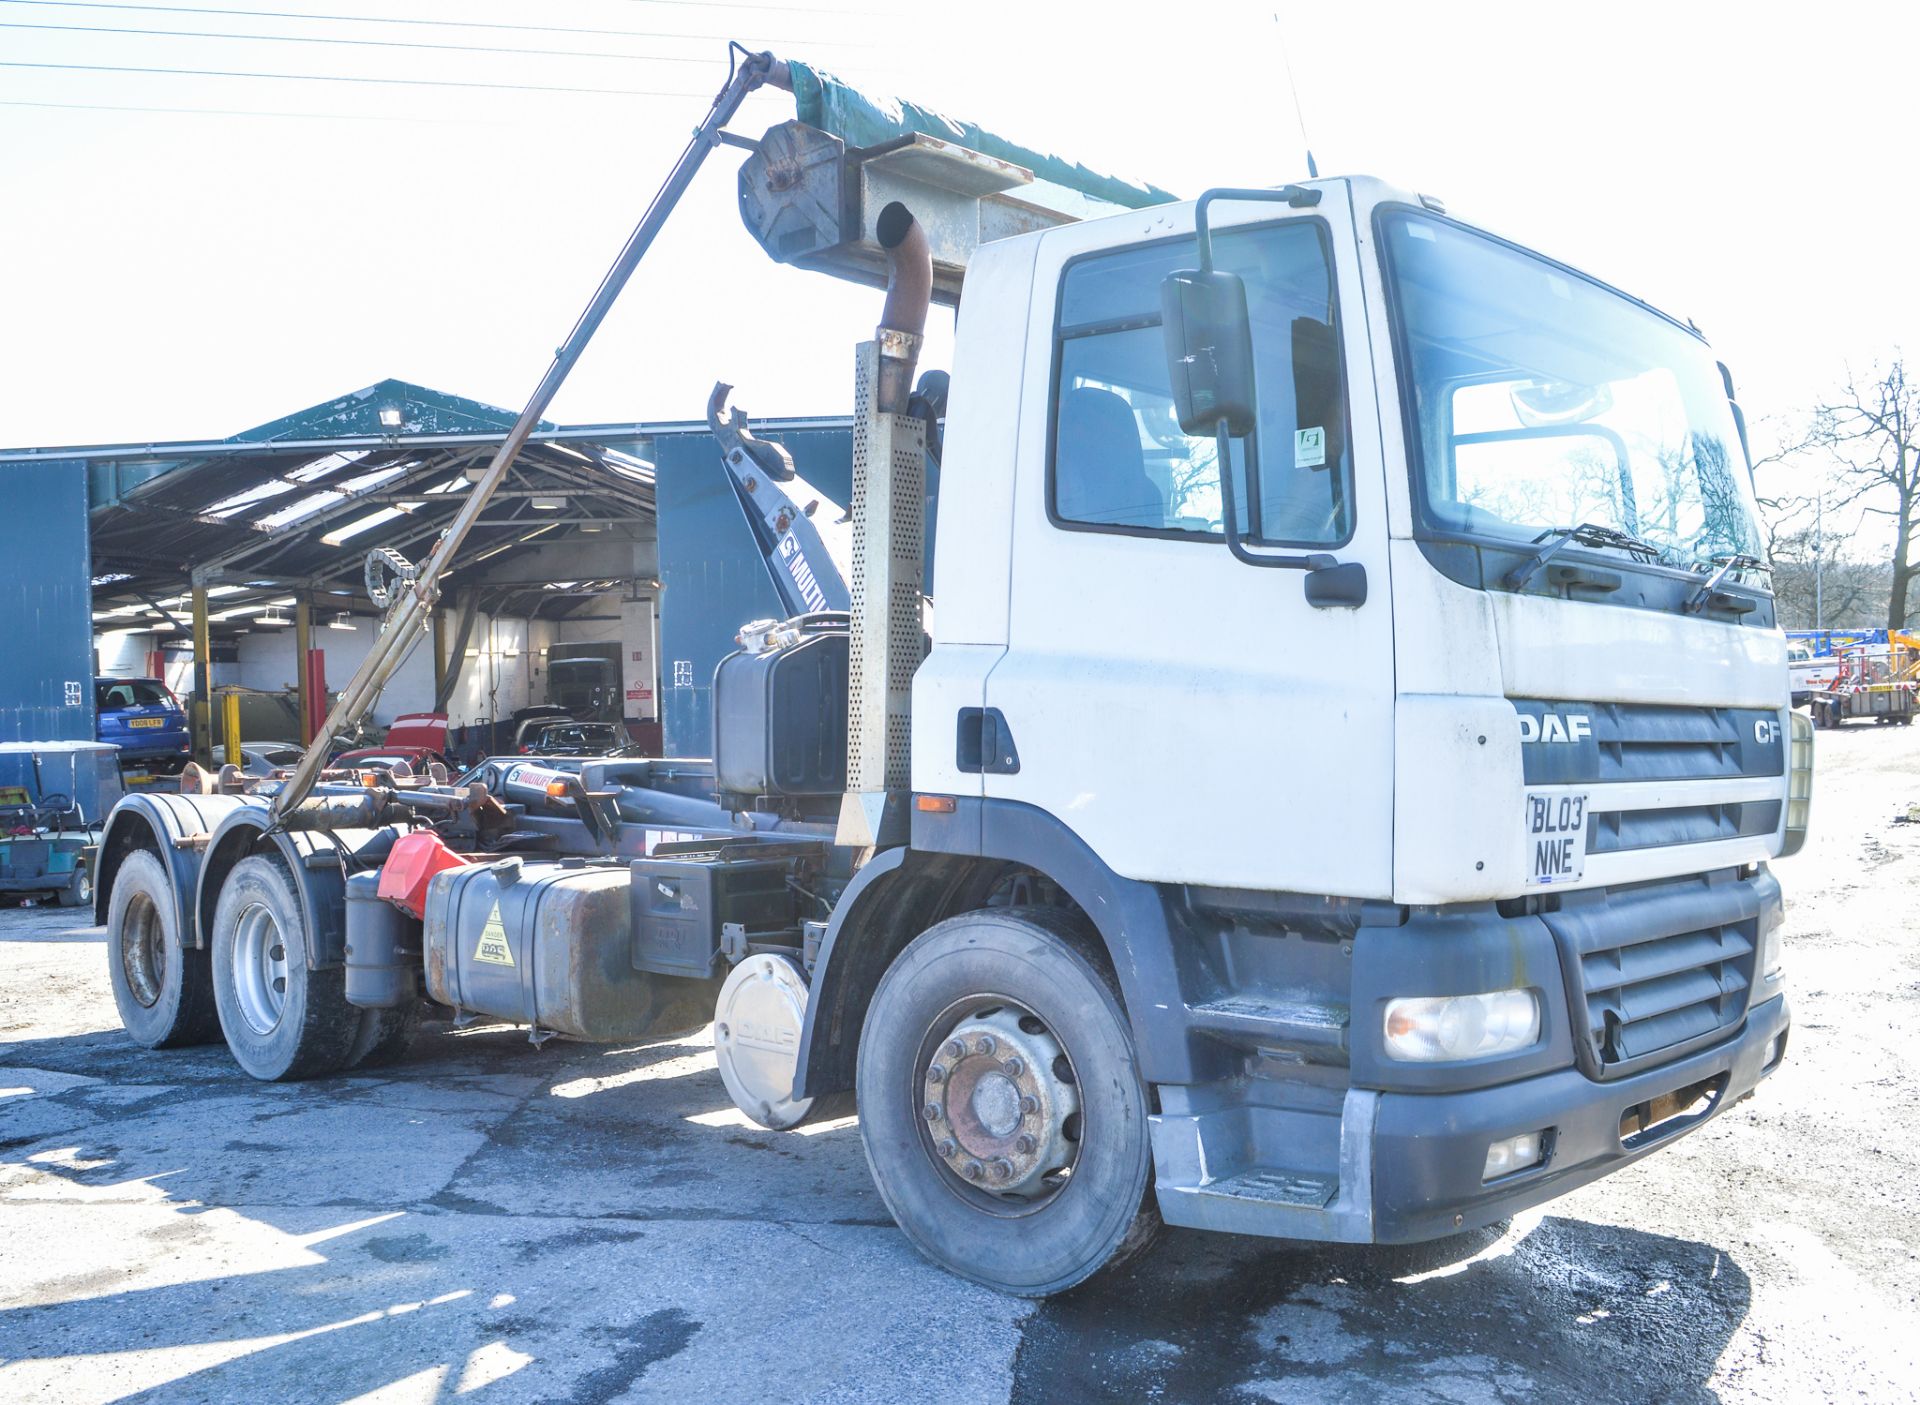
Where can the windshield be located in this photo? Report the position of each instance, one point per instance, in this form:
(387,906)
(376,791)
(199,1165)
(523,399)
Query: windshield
(1544,400)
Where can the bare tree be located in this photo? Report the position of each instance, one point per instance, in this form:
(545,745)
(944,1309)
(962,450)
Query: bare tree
(1852,591)
(1872,429)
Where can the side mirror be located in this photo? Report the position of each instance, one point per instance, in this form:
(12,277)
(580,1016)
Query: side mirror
(1203,314)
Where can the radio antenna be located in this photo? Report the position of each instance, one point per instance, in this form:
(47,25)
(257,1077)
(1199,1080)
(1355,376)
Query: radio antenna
(1286,62)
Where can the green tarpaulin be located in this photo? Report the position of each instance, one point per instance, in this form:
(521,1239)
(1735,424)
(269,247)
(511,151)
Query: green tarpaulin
(825,102)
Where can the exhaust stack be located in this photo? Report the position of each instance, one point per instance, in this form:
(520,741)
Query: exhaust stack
(889,534)
(903,317)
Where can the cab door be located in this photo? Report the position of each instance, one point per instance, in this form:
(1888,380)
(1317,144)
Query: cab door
(1191,717)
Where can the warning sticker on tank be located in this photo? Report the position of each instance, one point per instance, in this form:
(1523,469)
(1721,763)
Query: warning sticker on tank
(493,941)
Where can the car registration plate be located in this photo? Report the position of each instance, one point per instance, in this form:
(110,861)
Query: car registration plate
(144,721)
(1556,836)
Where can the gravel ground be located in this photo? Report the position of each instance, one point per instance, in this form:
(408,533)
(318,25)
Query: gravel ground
(582,1224)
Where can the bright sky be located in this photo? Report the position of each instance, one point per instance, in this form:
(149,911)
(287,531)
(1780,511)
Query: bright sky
(174,275)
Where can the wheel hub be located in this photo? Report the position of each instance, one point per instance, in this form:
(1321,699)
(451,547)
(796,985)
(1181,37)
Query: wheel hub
(1000,1103)
(259,969)
(143,951)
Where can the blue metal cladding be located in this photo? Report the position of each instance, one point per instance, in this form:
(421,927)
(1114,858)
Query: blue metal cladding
(712,575)
(46,620)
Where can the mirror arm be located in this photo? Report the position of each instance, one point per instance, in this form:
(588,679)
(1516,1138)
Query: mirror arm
(1299,197)
(1230,526)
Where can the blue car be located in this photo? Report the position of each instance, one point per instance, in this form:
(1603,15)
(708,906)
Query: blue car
(144,719)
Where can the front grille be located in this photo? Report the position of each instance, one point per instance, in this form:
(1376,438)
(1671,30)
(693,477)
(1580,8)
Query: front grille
(1573,743)
(1614,831)
(1656,973)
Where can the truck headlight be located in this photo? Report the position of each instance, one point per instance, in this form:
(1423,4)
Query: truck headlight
(1436,1028)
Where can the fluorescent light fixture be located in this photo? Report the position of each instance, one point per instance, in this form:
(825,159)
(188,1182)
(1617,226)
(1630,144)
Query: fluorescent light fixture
(473,473)
(593,526)
(340,535)
(343,620)
(547,502)
(390,416)
(272,616)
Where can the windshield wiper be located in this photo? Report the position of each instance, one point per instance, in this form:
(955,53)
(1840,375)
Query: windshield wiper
(1586,534)
(1736,561)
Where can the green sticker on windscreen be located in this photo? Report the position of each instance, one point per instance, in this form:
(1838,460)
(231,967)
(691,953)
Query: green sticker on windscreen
(1310,447)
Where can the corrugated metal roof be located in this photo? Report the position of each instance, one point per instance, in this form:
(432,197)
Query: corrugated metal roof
(290,508)
(295,504)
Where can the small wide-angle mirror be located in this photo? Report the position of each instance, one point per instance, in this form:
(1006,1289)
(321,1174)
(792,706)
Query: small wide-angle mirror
(1209,350)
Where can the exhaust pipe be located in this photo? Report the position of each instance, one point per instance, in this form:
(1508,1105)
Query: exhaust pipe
(903,318)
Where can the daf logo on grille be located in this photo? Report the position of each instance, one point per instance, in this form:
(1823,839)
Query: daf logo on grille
(1552,727)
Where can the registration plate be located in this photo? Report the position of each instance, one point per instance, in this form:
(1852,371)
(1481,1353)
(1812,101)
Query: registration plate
(144,721)
(1556,836)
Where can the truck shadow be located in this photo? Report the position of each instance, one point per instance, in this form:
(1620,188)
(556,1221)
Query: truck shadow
(584,1223)
(548,1225)
(1558,1308)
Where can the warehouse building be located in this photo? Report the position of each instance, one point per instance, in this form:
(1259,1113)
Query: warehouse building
(608,574)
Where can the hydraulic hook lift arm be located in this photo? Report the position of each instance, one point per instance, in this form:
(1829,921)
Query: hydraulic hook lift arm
(411,611)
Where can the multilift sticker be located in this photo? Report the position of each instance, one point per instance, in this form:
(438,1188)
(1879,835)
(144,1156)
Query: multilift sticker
(493,941)
(1310,447)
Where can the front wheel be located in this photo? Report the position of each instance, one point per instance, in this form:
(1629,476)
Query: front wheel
(1001,1106)
(281,1019)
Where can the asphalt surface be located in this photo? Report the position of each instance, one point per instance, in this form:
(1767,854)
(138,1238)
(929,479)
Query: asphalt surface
(588,1225)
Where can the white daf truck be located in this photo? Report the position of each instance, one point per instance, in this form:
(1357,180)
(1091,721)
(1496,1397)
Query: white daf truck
(1360,843)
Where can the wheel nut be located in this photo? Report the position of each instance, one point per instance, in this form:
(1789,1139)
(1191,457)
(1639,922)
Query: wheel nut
(973,1170)
(1002,1169)
(1024,1144)
(931,1112)
(1015,1066)
(946,1149)
(986,1044)
(937,1074)
(1029,1104)
(956,1049)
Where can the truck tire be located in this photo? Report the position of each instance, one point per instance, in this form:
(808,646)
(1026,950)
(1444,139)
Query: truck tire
(164,989)
(1001,1105)
(282,1021)
(383,1036)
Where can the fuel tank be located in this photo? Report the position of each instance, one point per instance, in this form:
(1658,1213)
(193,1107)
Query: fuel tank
(549,943)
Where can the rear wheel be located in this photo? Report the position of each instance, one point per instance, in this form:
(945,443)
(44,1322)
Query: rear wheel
(281,1019)
(1001,1106)
(164,990)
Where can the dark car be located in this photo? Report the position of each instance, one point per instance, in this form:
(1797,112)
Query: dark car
(143,718)
(574,739)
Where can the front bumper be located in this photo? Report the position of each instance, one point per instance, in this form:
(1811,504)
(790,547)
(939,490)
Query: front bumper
(161,746)
(1403,1167)
(1429,1149)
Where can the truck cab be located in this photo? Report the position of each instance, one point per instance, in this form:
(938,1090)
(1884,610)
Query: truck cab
(1429,900)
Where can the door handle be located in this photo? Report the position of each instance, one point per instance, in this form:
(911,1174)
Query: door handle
(984,743)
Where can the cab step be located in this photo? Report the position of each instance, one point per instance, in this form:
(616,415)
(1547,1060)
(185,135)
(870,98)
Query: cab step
(1317,1033)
